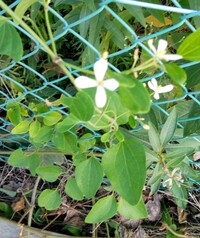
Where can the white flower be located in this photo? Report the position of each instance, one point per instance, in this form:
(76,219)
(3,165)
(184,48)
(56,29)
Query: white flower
(159,89)
(160,52)
(100,68)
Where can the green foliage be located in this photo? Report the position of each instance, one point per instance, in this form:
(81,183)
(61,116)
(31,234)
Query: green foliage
(10,41)
(122,164)
(49,173)
(86,170)
(49,199)
(104,209)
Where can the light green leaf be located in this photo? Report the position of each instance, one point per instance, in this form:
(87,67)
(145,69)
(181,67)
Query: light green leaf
(179,193)
(189,172)
(124,165)
(72,189)
(154,138)
(14,112)
(21,128)
(176,73)
(52,118)
(82,106)
(129,211)
(50,199)
(16,158)
(168,128)
(22,7)
(49,173)
(10,42)
(136,99)
(193,75)
(189,48)
(89,175)
(34,128)
(104,209)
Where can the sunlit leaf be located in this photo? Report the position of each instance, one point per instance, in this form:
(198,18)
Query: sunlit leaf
(21,128)
(49,173)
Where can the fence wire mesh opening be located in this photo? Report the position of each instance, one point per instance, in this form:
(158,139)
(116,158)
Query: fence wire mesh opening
(81,33)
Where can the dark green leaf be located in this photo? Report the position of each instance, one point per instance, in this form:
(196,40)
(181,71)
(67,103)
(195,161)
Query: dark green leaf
(180,194)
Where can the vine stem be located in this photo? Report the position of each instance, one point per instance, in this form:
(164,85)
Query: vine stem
(33,198)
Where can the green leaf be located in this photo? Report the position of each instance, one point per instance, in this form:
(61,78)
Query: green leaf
(72,189)
(22,7)
(176,73)
(52,118)
(89,175)
(137,12)
(104,209)
(168,128)
(129,211)
(193,126)
(180,194)
(44,135)
(154,138)
(10,42)
(50,199)
(49,173)
(65,142)
(82,106)
(34,128)
(193,75)
(68,123)
(189,172)
(20,160)
(136,99)
(21,128)
(124,165)
(189,48)
(176,157)
(14,112)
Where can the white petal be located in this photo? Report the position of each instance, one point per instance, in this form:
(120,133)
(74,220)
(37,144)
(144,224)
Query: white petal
(153,84)
(171,57)
(100,68)
(100,97)
(85,82)
(165,89)
(111,84)
(151,46)
(162,45)
(156,96)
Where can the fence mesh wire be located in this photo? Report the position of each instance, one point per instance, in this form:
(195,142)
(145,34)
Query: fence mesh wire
(69,27)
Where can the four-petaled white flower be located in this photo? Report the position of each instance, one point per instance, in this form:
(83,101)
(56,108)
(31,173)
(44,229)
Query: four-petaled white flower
(100,68)
(159,89)
(160,52)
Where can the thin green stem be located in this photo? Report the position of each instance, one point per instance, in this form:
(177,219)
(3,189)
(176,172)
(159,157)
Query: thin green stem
(48,25)
(33,198)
